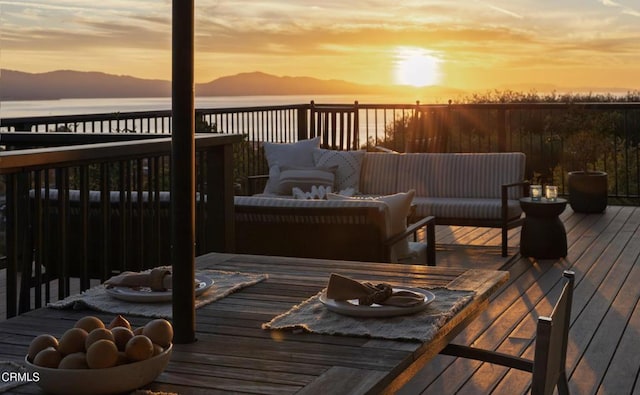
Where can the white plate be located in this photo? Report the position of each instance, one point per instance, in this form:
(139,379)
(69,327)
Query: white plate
(352,308)
(146,295)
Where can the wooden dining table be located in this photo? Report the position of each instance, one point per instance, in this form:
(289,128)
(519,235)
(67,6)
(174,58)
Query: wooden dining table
(235,353)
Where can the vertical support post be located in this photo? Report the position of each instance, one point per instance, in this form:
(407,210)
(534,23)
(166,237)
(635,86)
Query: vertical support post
(502,130)
(303,123)
(220,209)
(12,244)
(183,172)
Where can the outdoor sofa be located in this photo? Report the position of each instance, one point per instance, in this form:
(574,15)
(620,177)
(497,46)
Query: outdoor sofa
(464,189)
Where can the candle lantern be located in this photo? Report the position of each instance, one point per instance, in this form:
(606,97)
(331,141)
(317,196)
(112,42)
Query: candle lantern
(535,191)
(551,193)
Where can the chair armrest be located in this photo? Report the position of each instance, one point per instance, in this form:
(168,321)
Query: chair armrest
(523,184)
(254,181)
(429,223)
(505,195)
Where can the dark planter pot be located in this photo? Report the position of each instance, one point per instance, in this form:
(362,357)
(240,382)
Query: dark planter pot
(588,191)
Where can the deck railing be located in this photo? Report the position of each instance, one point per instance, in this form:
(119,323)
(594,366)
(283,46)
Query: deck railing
(546,132)
(88,211)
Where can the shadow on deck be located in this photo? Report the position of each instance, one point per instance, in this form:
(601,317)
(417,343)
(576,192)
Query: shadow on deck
(604,338)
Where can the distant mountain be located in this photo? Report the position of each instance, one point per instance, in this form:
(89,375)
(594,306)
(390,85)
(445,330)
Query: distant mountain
(66,84)
(258,83)
(63,84)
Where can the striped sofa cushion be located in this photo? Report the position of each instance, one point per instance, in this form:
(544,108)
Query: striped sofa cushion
(461,175)
(284,202)
(379,173)
(468,208)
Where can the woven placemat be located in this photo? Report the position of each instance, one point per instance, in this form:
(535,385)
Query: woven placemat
(96,298)
(312,316)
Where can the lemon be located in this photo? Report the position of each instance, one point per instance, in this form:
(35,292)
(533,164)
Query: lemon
(89,323)
(48,358)
(121,336)
(118,322)
(157,349)
(72,341)
(39,343)
(77,360)
(122,358)
(98,334)
(102,354)
(139,348)
(159,331)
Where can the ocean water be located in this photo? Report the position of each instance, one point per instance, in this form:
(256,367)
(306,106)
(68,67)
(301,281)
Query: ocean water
(35,108)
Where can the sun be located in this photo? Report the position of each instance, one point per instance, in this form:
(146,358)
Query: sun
(416,67)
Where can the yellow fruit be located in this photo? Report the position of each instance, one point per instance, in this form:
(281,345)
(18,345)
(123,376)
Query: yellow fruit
(139,348)
(98,334)
(48,358)
(157,349)
(119,321)
(159,331)
(102,354)
(72,341)
(122,358)
(89,323)
(77,360)
(121,336)
(39,343)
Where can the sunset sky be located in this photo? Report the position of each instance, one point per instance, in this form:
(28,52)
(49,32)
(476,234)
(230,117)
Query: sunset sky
(489,44)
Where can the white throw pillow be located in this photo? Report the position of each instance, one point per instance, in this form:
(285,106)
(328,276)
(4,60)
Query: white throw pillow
(399,206)
(304,178)
(298,154)
(349,165)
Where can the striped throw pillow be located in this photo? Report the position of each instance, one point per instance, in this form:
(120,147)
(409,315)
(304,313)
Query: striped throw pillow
(304,178)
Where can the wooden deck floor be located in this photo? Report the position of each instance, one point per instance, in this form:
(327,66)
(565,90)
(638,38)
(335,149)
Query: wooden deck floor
(604,349)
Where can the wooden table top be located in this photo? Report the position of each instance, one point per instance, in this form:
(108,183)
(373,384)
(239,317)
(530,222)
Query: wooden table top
(234,354)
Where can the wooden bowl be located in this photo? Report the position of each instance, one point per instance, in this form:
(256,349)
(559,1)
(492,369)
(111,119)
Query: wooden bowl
(118,379)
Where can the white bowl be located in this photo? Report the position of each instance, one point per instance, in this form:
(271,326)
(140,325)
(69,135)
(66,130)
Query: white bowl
(118,379)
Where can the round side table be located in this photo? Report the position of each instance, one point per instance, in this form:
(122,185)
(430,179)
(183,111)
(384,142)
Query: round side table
(543,235)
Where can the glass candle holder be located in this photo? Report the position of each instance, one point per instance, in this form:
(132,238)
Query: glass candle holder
(551,193)
(535,192)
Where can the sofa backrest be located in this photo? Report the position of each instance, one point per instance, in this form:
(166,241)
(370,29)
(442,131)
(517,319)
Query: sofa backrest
(331,229)
(452,175)
(379,173)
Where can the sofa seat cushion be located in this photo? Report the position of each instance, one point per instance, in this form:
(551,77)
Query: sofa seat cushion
(465,208)
(280,201)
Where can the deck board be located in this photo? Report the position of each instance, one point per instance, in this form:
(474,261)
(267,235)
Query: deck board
(603,357)
(604,251)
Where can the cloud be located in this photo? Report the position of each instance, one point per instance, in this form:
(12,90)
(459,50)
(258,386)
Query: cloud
(330,37)
(625,10)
